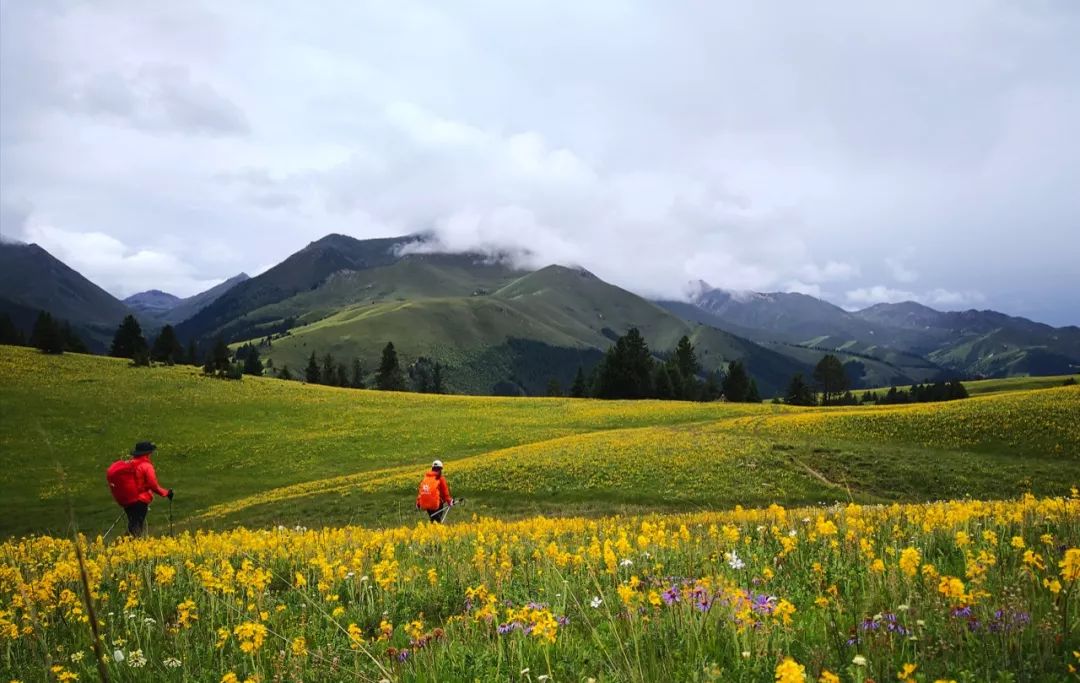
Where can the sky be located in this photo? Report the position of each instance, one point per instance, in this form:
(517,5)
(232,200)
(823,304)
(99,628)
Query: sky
(861,152)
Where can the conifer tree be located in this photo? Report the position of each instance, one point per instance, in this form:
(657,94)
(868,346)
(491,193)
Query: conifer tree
(9,334)
(357,374)
(166,348)
(252,363)
(390,377)
(437,386)
(662,388)
(830,378)
(284,373)
(341,378)
(46,334)
(736,383)
(328,371)
(71,340)
(799,393)
(311,373)
(579,388)
(128,339)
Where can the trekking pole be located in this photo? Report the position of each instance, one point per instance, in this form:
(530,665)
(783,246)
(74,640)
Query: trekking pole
(106,534)
(170,517)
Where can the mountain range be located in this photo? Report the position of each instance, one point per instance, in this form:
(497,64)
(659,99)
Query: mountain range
(500,329)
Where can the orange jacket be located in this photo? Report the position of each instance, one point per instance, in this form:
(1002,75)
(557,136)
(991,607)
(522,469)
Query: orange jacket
(438,482)
(146,482)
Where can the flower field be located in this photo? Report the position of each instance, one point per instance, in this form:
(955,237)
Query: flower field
(963,590)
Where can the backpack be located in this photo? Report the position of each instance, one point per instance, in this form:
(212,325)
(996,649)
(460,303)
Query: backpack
(122,482)
(428,498)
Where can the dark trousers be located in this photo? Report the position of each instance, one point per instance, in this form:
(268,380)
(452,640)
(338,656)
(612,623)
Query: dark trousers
(136,514)
(437,516)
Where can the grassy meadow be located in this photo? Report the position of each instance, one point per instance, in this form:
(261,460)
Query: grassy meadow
(606,541)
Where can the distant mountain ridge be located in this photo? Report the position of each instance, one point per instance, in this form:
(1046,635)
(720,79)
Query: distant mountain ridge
(168,309)
(977,343)
(499,328)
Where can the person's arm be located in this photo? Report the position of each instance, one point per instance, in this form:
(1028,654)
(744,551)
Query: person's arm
(444,491)
(152,482)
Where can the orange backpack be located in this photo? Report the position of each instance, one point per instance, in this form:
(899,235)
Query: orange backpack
(428,497)
(122,482)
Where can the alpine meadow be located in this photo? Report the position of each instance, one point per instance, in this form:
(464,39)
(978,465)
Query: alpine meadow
(539,342)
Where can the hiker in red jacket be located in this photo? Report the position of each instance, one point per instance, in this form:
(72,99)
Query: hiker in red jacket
(434,495)
(133,484)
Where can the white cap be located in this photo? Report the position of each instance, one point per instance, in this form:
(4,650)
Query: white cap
(437,465)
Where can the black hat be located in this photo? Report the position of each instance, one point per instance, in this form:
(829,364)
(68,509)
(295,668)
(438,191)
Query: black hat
(143,448)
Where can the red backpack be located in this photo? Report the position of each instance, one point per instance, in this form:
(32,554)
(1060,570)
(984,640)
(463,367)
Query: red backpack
(122,485)
(428,497)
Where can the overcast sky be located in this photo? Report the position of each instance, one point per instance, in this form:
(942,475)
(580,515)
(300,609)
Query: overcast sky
(859,151)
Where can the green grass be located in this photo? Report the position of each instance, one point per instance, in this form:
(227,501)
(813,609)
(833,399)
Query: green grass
(263,451)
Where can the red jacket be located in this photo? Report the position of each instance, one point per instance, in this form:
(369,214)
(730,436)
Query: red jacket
(434,480)
(146,482)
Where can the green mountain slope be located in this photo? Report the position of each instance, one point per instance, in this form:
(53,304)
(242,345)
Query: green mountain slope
(305,270)
(537,326)
(32,278)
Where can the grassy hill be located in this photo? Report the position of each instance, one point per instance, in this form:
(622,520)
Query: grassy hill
(489,324)
(264,451)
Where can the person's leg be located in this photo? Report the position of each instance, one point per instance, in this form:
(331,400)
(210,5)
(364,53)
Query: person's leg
(437,516)
(136,514)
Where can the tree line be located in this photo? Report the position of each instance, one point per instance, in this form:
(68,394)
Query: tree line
(48,335)
(630,371)
(831,382)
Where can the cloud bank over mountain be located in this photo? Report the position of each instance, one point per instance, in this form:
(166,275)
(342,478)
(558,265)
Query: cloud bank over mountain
(861,153)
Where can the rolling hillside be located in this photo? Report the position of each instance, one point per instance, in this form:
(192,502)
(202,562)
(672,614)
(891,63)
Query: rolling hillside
(263,451)
(162,308)
(491,326)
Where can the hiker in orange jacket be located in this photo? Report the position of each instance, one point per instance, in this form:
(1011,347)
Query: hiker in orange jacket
(145,485)
(434,495)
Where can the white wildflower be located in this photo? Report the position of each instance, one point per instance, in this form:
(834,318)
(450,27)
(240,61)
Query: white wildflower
(136,659)
(172,663)
(596,602)
(626,563)
(118,655)
(733,560)
(858,660)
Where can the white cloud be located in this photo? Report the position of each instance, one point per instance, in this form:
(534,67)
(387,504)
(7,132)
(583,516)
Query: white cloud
(752,145)
(900,271)
(119,269)
(941,298)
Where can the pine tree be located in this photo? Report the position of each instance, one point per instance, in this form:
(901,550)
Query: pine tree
(72,341)
(686,359)
(328,370)
(192,353)
(166,348)
(437,386)
(554,388)
(252,363)
(662,388)
(578,389)
(9,334)
(219,361)
(753,396)
(46,334)
(128,339)
(799,393)
(627,368)
(736,383)
(830,378)
(357,374)
(284,373)
(311,373)
(390,377)
(342,376)
(713,387)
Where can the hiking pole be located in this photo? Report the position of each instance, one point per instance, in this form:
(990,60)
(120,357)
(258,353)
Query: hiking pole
(106,534)
(170,517)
